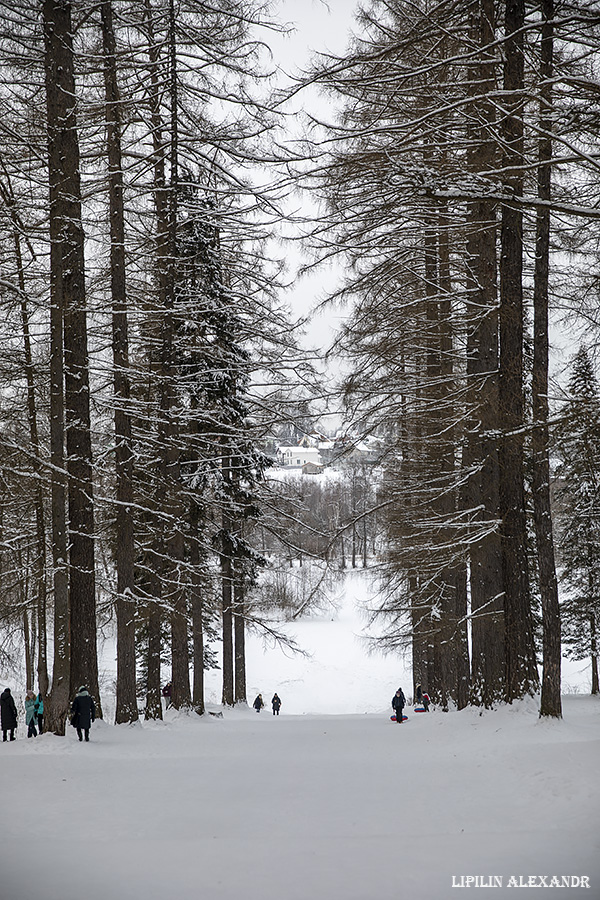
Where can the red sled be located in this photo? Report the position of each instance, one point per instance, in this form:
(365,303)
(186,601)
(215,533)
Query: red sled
(394,719)
(419,709)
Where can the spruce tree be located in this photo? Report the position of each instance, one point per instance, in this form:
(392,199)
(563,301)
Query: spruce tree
(579,471)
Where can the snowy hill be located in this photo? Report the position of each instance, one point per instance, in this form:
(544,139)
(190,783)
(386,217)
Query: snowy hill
(338,675)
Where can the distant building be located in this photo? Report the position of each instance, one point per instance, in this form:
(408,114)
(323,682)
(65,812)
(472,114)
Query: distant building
(311,468)
(298,456)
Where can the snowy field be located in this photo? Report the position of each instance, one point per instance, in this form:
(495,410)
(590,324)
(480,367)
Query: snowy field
(253,806)
(329,801)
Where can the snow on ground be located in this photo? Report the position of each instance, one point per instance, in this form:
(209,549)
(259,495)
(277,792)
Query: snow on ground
(307,805)
(338,674)
(259,807)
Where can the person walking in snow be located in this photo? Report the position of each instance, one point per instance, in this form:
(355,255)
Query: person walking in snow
(166,692)
(276,704)
(30,714)
(398,704)
(83,713)
(258,703)
(8,714)
(39,711)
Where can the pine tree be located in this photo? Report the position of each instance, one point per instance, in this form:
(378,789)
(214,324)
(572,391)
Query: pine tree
(578,443)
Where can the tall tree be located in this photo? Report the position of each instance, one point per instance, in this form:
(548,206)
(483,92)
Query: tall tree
(550,704)
(521,671)
(65,213)
(126,707)
(578,442)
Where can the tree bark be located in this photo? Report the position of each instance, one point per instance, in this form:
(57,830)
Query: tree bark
(239,629)
(521,672)
(481,453)
(153,708)
(65,205)
(550,704)
(594,653)
(228,697)
(57,703)
(197,613)
(126,705)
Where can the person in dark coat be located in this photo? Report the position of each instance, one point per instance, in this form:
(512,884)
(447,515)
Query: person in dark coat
(426,702)
(276,704)
(39,711)
(258,703)
(83,713)
(8,714)
(398,704)
(166,692)
(419,696)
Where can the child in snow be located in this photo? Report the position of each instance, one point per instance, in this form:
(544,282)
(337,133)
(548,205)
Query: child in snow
(30,714)
(39,711)
(258,703)
(398,704)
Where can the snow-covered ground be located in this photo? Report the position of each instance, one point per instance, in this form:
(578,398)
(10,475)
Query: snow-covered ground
(307,805)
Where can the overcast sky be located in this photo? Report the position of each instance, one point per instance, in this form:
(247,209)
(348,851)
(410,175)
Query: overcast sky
(315,26)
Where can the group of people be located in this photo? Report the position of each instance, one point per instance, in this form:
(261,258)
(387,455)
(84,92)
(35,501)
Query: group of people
(83,713)
(34,714)
(275,703)
(399,702)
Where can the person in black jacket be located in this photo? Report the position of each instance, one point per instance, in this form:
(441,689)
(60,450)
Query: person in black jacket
(276,704)
(398,704)
(8,714)
(258,703)
(83,713)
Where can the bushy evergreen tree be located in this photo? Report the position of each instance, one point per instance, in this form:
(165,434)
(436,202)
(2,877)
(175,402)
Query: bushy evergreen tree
(579,450)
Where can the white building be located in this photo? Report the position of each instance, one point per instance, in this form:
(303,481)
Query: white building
(296,457)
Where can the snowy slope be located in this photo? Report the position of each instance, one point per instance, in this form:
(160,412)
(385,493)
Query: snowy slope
(305,806)
(338,675)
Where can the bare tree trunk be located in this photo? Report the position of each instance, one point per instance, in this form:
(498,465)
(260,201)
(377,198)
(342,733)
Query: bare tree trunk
(594,653)
(180,661)
(57,703)
(197,613)
(28,654)
(65,203)
(481,454)
(227,620)
(550,704)
(153,708)
(239,628)
(126,707)
(521,671)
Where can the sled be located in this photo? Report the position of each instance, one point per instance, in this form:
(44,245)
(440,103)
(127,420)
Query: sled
(393,718)
(419,709)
